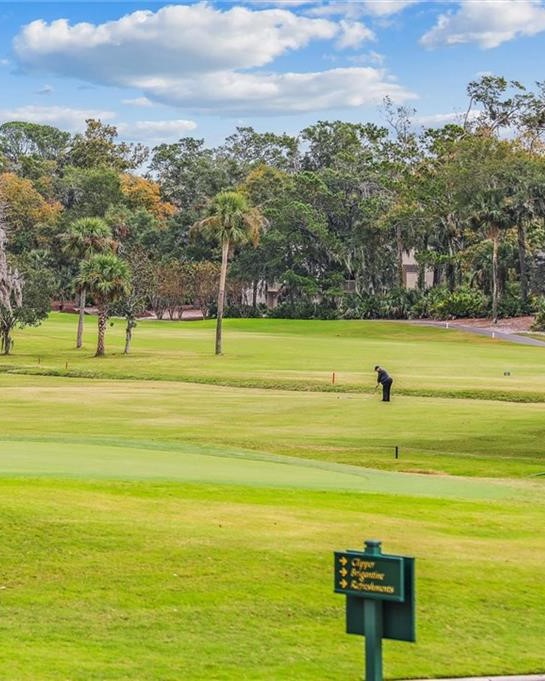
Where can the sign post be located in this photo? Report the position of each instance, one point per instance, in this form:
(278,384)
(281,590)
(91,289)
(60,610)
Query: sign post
(379,591)
(373,639)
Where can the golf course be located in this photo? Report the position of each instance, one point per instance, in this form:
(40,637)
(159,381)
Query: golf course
(172,514)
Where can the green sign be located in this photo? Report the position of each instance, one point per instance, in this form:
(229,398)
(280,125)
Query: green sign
(398,618)
(370,576)
(379,592)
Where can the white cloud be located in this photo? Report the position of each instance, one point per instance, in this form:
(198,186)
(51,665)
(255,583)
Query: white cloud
(368,58)
(488,24)
(156,132)
(279,3)
(236,93)
(376,58)
(172,128)
(138,101)
(385,8)
(354,34)
(438,120)
(198,57)
(354,10)
(175,40)
(4,62)
(65,118)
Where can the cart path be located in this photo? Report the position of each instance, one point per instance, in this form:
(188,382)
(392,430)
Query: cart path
(483,331)
(527,677)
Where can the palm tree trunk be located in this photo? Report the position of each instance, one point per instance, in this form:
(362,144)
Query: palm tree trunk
(82,300)
(521,238)
(399,256)
(494,233)
(221,294)
(102,320)
(450,267)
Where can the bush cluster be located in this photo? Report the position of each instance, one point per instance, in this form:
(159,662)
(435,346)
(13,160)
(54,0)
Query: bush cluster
(434,303)
(539,321)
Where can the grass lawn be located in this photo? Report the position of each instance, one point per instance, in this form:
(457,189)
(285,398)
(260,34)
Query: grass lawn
(434,435)
(292,354)
(149,580)
(176,525)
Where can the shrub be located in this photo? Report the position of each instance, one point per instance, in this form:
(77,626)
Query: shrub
(243,311)
(539,321)
(303,310)
(463,302)
(398,303)
(424,305)
(395,304)
(510,303)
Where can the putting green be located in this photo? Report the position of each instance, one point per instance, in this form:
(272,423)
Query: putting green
(223,466)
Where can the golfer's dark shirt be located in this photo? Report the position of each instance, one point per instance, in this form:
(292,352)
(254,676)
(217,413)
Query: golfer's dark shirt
(383,376)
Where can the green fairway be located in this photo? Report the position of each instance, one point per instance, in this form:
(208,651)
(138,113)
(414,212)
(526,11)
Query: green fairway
(173,515)
(293,354)
(464,437)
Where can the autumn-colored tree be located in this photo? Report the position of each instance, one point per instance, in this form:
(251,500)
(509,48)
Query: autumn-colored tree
(140,192)
(28,215)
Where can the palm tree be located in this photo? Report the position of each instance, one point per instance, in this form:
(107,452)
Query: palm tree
(526,207)
(86,237)
(231,221)
(107,278)
(493,218)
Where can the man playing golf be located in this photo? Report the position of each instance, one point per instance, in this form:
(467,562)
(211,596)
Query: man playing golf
(384,379)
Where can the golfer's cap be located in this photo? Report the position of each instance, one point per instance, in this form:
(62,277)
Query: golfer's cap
(376,367)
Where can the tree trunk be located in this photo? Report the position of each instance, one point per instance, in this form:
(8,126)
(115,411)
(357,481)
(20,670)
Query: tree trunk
(494,235)
(421,265)
(254,294)
(128,335)
(221,295)
(6,341)
(82,300)
(399,250)
(521,238)
(102,321)
(450,267)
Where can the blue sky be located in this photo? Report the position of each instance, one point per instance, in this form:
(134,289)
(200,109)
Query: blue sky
(160,71)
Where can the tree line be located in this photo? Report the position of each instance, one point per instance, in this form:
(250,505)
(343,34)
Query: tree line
(324,218)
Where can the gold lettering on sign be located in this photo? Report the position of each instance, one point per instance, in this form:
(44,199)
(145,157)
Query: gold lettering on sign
(365,586)
(364,575)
